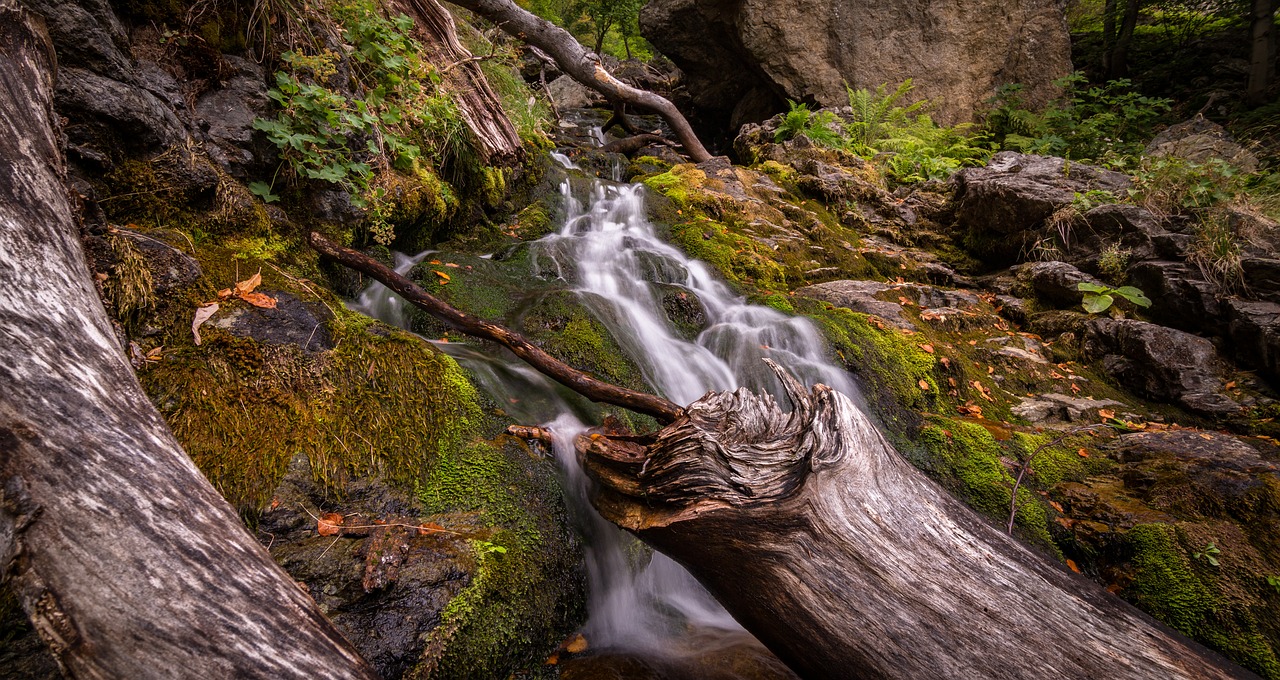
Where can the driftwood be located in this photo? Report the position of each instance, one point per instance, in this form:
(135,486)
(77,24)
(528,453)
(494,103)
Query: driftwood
(584,66)
(497,138)
(128,563)
(662,410)
(847,562)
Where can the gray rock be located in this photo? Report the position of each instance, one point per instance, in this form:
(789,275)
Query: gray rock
(1061,408)
(1199,140)
(1056,281)
(1161,363)
(171,269)
(1008,202)
(1253,328)
(229,113)
(1128,226)
(1180,297)
(1262,278)
(113,116)
(1203,449)
(859,296)
(737,53)
(86,34)
(570,94)
(292,322)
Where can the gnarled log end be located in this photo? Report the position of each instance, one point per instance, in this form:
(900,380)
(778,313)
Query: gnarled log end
(729,449)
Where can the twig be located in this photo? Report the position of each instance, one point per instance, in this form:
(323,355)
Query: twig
(1025,465)
(419,527)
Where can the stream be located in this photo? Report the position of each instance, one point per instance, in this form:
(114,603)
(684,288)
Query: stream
(642,606)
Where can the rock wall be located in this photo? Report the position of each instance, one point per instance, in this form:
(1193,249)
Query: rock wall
(742,57)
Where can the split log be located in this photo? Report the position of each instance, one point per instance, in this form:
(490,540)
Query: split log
(579,381)
(584,66)
(847,562)
(479,106)
(128,563)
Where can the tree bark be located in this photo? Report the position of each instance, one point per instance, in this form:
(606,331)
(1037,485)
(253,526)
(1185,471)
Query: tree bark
(847,562)
(662,410)
(1118,63)
(1262,29)
(499,143)
(128,563)
(584,66)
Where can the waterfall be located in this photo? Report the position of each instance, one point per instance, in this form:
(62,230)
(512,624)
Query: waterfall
(610,255)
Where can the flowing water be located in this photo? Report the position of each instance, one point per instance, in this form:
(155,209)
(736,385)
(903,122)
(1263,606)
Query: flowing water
(609,254)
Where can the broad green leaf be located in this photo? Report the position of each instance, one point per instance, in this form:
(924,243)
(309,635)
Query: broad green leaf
(1096,304)
(1134,295)
(1091,287)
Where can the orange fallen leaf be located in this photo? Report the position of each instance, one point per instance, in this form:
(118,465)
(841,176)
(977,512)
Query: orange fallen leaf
(450,264)
(923,385)
(225,293)
(973,342)
(990,369)
(1106,414)
(576,644)
(329,524)
(259,300)
(1205,435)
(1082,453)
(1075,388)
(1072,566)
(946,363)
(1230,385)
(927,348)
(444,278)
(951,382)
(434,262)
(1056,506)
(429,528)
(247,285)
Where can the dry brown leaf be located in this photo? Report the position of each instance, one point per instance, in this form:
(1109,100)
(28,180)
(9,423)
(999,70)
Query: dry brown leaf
(1106,414)
(927,348)
(259,300)
(225,293)
(1075,388)
(329,524)
(203,314)
(1082,453)
(1056,506)
(1230,385)
(1072,566)
(444,278)
(246,286)
(1205,435)
(924,385)
(945,362)
(576,644)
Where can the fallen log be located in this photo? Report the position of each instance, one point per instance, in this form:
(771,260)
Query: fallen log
(127,562)
(584,66)
(662,410)
(630,145)
(847,562)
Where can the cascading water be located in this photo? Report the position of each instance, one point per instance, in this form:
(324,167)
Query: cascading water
(610,255)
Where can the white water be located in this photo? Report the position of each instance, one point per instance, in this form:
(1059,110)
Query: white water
(609,253)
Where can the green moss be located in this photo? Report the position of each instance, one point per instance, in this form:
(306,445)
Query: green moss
(891,363)
(561,325)
(740,259)
(780,302)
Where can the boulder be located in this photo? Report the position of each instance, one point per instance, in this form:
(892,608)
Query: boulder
(1061,408)
(290,322)
(227,114)
(1130,227)
(1253,327)
(1199,140)
(1180,297)
(1161,363)
(113,117)
(1005,205)
(568,93)
(1056,282)
(748,55)
(859,296)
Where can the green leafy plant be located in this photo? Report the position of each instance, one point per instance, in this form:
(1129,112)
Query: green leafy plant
(1099,298)
(1218,253)
(1171,185)
(1101,123)
(1274,582)
(1209,554)
(820,126)
(1113,261)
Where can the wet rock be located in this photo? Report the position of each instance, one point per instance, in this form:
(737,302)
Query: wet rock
(1006,203)
(86,34)
(1199,140)
(1161,363)
(1056,281)
(114,117)
(1261,278)
(1253,328)
(1061,408)
(291,322)
(735,51)
(385,587)
(228,113)
(859,296)
(1205,449)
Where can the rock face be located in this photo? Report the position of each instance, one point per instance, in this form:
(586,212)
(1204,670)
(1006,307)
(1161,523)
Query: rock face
(1161,363)
(753,53)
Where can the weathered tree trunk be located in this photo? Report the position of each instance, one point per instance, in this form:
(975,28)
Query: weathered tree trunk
(847,562)
(1118,62)
(1262,29)
(479,106)
(584,66)
(127,561)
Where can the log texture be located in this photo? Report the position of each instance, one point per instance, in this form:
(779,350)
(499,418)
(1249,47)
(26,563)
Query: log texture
(584,66)
(581,382)
(847,562)
(129,564)
(499,143)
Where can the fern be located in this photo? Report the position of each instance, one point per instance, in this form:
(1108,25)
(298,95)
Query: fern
(820,126)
